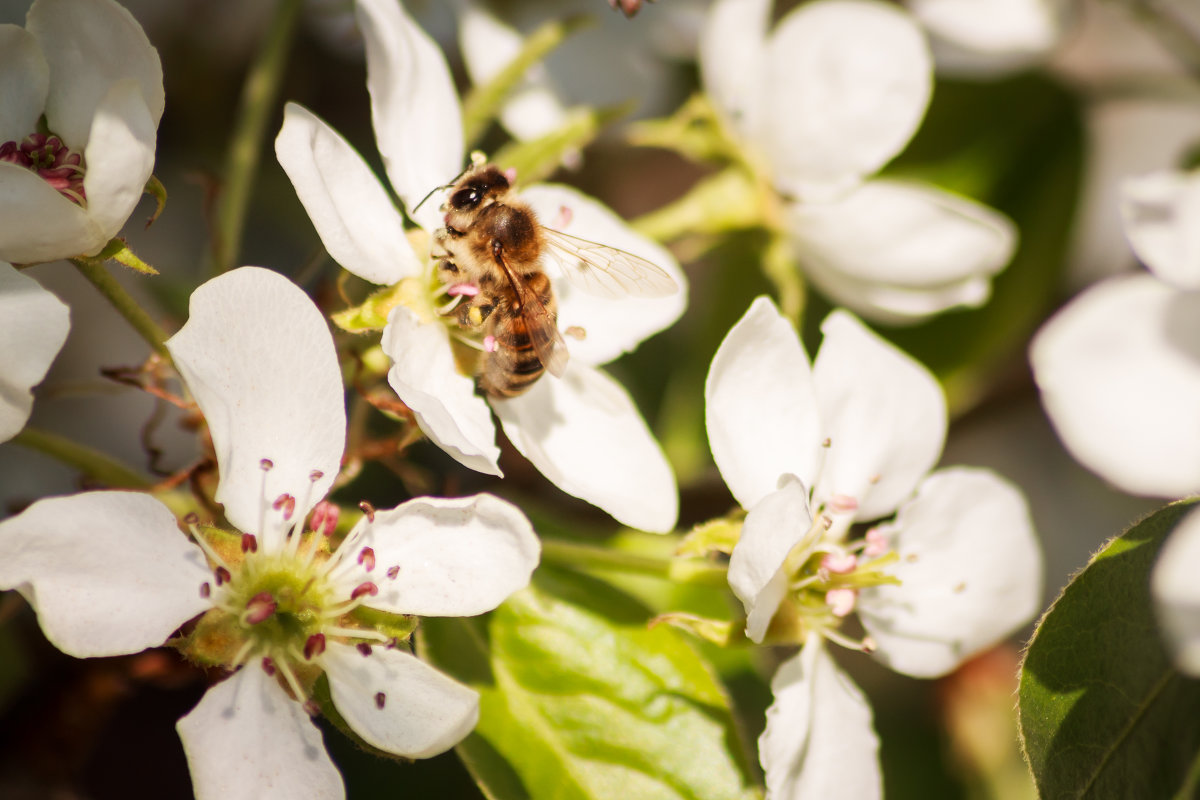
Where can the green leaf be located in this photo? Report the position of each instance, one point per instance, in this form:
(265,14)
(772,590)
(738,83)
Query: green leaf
(580,701)
(117,250)
(483,103)
(1103,712)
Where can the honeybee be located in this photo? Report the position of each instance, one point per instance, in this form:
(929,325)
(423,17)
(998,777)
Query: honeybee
(491,252)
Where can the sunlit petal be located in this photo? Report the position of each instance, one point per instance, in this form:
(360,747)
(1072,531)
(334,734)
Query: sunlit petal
(1176,593)
(33,327)
(108,573)
(397,702)
(970,573)
(248,740)
(258,357)
(1161,212)
(583,432)
(444,401)
(761,406)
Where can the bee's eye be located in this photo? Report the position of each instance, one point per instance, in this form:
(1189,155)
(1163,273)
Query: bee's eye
(466,197)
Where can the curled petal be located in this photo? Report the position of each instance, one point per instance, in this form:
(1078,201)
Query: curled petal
(247,740)
(583,432)
(1119,373)
(847,83)
(24,81)
(890,243)
(457,558)
(41,224)
(1161,212)
(761,407)
(884,414)
(414,107)
(33,327)
(774,526)
(120,158)
(443,400)
(970,573)
(348,206)
(397,702)
(257,356)
(819,740)
(91,45)
(614,325)
(1176,593)
(109,573)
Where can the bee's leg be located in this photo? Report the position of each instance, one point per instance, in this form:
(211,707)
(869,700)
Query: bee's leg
(475,313)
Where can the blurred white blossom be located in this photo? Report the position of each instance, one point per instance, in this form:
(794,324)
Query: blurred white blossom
(822,101)
(582,431)
(809,451)
(80,102)
(1118,367)
(110,572)
(33,328)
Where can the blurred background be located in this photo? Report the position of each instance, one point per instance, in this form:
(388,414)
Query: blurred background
(1043,135)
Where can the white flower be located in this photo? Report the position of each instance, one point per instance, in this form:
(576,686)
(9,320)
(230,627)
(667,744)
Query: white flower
(1118,367)
(110,572)
(33,327)
(87,66)
(822,102)
(990,37)
(808,452)
(582,431)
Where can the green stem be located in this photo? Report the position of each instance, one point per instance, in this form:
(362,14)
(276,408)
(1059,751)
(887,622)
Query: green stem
(149,330)
(259,93)
(92,463)
(586,556)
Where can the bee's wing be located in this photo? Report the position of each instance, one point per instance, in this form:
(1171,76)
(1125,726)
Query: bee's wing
(606,271)
(540,324)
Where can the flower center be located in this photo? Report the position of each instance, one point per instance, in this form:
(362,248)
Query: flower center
(826,571)
(281,597)
(52,160)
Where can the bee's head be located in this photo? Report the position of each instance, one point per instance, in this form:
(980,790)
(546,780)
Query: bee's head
(479,186)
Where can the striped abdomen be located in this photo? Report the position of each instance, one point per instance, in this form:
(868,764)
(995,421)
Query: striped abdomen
(514,365)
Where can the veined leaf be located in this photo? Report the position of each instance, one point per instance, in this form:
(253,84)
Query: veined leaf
(1103,712)
(581,700)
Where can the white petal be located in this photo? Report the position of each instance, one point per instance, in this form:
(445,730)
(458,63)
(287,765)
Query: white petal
(418,123)
(847,84)
(1119,373)
(33,327)
(614,325)
(897,305)
(248,740)
(819,741)
(732,62)
(119,157)
(40,224)
(90,45)
(989,36)
(884,414)
(348,206)
(1161,212)
(583,432)
(456,557)
(427,380)
(109,573)
(257,356)
(1176,593)
(488,46)
(24,81)
(423,712)
(970,571)
(907,237)
(760,406)
(773,527)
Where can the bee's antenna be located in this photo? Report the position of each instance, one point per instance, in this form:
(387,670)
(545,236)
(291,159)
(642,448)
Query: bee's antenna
(477,158)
